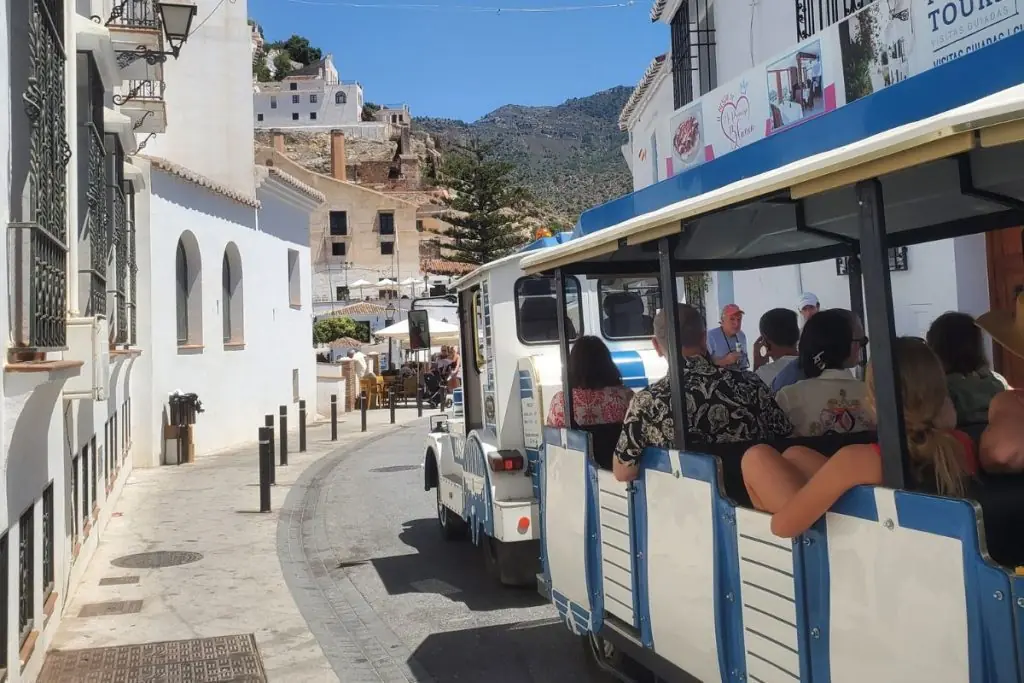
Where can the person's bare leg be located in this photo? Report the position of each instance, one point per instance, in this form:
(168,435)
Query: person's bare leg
(807,460)
(770,479)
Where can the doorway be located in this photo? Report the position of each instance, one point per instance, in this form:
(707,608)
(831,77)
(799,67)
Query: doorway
(1005,250)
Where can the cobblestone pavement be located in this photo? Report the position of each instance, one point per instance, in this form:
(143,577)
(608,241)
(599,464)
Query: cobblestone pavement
(388,599)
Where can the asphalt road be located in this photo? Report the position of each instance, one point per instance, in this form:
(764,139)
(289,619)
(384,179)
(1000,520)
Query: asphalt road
(389,599)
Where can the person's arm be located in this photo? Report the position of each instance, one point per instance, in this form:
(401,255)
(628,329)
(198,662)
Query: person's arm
(854,465)
(626,463)
(760,353)
(556,412)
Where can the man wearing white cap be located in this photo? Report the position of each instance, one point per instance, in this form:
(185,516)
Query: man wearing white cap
(808,306)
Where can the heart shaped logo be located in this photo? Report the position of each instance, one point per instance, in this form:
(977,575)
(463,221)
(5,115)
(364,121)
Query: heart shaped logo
(734,116)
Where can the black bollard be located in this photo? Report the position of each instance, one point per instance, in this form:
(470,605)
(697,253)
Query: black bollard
(419,402)
(334,417)
(283,441)
(391,403)
(302,426)
(269,424)
(362,409)
(266,467)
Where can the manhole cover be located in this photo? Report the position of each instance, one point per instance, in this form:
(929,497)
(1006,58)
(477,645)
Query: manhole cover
(202,660)
(156,559)
(396,468)
(109,609)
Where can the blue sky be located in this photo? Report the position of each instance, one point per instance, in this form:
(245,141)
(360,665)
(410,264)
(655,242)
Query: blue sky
(455,63)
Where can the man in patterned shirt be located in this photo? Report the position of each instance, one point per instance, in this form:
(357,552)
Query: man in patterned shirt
(722,405)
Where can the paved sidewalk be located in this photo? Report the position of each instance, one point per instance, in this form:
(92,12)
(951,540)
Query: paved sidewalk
(237,587)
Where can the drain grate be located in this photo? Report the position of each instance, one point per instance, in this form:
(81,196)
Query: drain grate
(110,609)
(396,468)
(119,580)
(225,659)
(157,559)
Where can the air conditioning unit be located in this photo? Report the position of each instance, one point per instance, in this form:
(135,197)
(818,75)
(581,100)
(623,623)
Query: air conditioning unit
(88,342)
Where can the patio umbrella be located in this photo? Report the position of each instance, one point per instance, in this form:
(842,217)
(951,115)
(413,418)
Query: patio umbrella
(440,332)
(386,282)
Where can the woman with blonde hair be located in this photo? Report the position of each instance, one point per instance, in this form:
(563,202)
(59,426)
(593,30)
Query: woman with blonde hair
(800,485)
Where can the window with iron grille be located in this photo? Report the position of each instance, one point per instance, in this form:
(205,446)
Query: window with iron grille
(94,201)
(295,99)
(387,223)
(119,233)
(4,569)
(49,544)
(337,248)
(95,470)
(26,573)
(85,488)
(693,51)
(39,155)
(387,248)
(814,16)
(133,269)
(339,223)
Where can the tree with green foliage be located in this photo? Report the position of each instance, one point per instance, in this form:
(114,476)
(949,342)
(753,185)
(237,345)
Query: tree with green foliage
(300,49)
(282,65)
(259,67)
(327,330)
(369,109)
(485,206)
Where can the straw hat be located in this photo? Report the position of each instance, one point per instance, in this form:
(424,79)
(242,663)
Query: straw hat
(1006,328)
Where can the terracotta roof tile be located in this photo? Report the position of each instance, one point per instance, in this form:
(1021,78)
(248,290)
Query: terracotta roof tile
(437,266)
(200,180)
(653,69)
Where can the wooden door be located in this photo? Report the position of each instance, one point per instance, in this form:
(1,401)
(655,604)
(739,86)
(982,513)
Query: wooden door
(1005,280)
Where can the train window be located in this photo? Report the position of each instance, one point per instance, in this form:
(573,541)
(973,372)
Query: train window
(537,310)
(628,306)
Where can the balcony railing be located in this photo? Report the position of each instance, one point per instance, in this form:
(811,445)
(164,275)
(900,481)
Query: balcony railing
(99,222)
(813,16)
(121,266)
(132,14)
(142,90)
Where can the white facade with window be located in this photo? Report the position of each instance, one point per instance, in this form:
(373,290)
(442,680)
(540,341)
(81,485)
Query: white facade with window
(310,98)
(746,36)
(91,350)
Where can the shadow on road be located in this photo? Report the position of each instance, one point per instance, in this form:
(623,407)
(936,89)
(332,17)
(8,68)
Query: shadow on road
(541,651)
(454,569)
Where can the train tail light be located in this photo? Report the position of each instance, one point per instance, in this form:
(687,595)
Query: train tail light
(506,461)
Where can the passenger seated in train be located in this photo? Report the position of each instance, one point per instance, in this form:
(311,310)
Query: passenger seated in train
(957,341)
(830,400)
(793,373)
(721,405)
(776,347)
(598,394)
(1002,442)
(800,485)
(727,345)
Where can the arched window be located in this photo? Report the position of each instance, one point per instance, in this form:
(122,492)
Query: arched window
(182,289)
(188,291)
(231,296)
(339,97)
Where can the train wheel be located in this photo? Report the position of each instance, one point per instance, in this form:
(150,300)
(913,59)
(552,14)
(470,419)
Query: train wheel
(452,526)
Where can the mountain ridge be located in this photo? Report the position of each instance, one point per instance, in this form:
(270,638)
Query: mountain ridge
(568,155)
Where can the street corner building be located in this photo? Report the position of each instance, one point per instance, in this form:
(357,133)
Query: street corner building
(147,255)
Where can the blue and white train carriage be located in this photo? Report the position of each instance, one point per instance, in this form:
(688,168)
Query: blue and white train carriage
(675,570)
(483,461)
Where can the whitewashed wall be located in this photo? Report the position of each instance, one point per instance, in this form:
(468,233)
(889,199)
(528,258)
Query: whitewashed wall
(919,295)
(328,113)
(209,98)
(236,386)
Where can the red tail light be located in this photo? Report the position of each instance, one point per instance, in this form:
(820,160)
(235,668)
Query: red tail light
(506,461)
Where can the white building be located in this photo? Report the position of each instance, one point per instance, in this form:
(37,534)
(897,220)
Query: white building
(310,98)
(94,271)
(717,62)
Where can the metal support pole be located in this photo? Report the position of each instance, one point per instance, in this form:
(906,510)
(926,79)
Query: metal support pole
(419,401)
(284,435)
(269,424)
(302,426)
(856,282)
(563,345)
(266,467)
(669,297)
(878,296)
(362,410)
(334,417)
(391,403)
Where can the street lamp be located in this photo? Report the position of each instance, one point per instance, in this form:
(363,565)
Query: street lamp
(176,21)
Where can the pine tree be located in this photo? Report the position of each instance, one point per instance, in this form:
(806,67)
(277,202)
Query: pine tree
(485,206)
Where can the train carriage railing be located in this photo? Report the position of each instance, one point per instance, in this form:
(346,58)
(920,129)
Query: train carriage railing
(889,586)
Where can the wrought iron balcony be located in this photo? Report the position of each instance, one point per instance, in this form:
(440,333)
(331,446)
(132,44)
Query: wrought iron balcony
(135,14)
(814,16)
(99,222)
(121,247)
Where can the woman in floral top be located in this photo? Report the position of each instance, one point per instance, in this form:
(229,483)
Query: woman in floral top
(598,394)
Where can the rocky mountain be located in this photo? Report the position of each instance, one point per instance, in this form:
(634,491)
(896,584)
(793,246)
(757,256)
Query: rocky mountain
(569,156)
